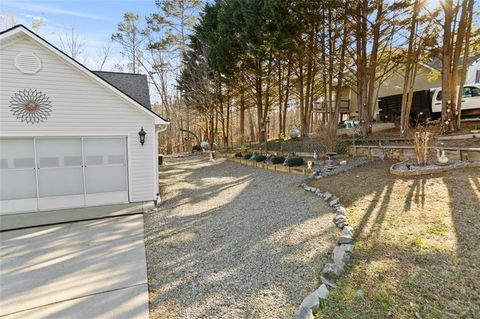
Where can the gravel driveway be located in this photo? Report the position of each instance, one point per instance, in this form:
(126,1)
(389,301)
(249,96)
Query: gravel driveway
(232,241)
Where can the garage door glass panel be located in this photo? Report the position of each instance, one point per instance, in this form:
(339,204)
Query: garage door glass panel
(60,171)
(17,170)
(105,160)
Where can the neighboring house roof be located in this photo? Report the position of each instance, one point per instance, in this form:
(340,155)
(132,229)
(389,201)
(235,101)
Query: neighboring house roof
(134,85)
(13,34)
(437,63)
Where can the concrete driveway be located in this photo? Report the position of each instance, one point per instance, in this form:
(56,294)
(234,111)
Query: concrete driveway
(88,269)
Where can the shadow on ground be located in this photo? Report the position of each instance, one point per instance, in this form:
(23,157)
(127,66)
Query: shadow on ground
(233,242)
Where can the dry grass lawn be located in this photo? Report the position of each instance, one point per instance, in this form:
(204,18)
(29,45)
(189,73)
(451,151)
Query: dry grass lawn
(417,251)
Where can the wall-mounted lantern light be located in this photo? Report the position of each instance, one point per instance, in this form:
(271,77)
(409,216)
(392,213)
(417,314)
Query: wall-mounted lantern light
(142,134)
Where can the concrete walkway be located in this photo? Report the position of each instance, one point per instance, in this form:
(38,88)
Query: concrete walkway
(26,220)
(89,269)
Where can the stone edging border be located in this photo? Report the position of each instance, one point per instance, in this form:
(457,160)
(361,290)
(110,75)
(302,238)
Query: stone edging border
(271,167)
(434,170)
(341,254)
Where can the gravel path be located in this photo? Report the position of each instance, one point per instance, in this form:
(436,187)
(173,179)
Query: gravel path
(232,241)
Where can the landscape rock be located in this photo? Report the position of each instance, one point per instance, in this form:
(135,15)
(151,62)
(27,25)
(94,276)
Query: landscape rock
(312,301)
(334,202)
(345,239)
(327,196)
(341,210)
(340,256)
(343,163)
(304,313)
(332,270)
(348,247)
(347,231)
(327,282)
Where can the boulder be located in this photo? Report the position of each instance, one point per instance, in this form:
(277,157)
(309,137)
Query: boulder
(341,225)
(334,201)
(341,210)
(304,313)
(347,231)
(332,270)
(328,283)
(312,302)
(340,256)
(345,239)
(327,196)
(347,248)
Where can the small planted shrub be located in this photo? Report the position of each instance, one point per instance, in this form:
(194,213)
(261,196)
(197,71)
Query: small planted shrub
(239,155)
(261,158)
(278,160)
(247,156)
(295,161)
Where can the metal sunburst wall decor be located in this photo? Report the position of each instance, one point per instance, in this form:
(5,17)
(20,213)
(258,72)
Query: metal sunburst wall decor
(31,106)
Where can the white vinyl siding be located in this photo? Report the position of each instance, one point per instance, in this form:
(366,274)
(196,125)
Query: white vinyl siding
(80,107)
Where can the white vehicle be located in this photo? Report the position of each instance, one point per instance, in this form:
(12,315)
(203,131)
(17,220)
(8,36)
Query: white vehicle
(470,100)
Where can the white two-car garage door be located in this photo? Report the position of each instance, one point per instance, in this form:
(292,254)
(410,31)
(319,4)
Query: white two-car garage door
(56,173)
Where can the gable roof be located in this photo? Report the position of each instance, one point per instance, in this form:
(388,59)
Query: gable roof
(19,30)
(437,62)
(133,84)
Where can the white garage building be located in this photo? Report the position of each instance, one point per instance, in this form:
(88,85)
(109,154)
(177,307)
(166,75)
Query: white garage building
(69,138)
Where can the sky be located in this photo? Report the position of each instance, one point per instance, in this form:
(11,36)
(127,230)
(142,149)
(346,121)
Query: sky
(93,20)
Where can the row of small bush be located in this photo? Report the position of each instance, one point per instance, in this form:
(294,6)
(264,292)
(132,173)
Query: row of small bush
(278,160)
(291,161)
(295,161)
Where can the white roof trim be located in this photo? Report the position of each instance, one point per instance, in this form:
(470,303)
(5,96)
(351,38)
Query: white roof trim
(22,30)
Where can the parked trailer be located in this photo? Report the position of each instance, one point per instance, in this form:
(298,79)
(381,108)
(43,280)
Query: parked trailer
(390,107)
(426,105)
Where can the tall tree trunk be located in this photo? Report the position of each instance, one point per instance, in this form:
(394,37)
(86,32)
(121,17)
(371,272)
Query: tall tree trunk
(465,61)
(259,98)
(372,66)
(228,117)
(409,79)
(287,92)
(446,64)
(242,116)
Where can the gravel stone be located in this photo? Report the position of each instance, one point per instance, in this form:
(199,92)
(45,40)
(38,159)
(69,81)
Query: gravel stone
(232,241)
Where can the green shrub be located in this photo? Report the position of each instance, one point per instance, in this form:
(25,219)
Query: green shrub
(247,156)
(295,161)
(278,160)
(261,158)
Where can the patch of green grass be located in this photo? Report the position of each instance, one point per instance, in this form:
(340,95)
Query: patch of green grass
(416,251)
(419,243)
(438,229)
(472,213)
